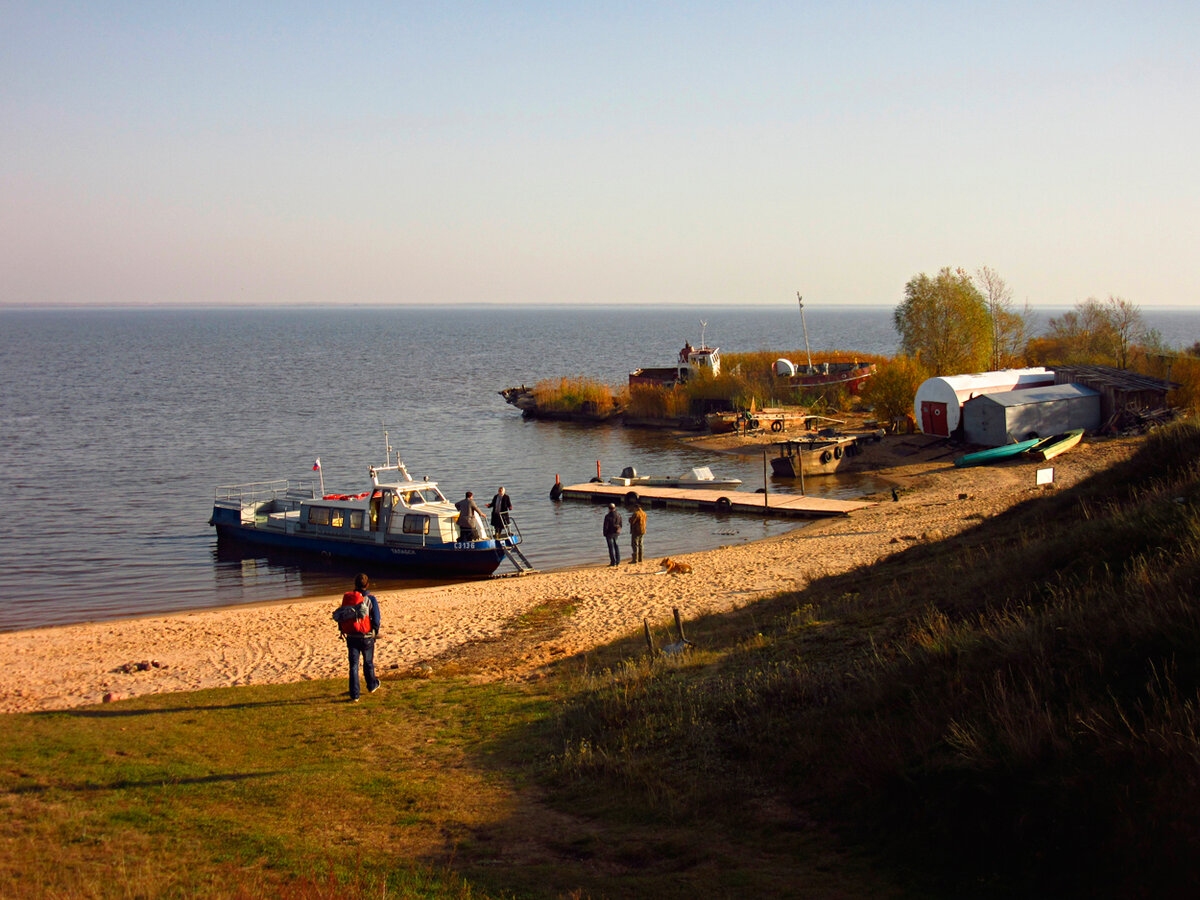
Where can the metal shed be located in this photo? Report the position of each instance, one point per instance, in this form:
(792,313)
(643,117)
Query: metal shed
(996,419)
(938,404)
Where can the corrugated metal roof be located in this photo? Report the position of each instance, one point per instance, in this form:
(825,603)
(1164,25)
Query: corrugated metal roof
(1037,395)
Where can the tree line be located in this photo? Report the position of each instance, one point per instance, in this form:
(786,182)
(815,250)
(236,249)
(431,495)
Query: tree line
(956,323)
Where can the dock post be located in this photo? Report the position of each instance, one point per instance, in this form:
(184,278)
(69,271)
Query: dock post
(767,487)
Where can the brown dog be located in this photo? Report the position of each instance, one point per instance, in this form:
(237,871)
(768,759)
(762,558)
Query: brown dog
(674,567)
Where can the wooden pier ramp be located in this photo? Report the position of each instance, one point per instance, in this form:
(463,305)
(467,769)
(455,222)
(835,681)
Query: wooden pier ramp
(718,500)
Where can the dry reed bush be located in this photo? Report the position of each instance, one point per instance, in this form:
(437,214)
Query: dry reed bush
(651,402)
(577,394)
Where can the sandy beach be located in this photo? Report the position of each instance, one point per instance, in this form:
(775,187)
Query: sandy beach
(78,665)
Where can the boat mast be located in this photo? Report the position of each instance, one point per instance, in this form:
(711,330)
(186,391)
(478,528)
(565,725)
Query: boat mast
(804,325)
(703,325)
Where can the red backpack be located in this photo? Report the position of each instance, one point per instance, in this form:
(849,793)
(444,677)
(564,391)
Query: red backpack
(354,615)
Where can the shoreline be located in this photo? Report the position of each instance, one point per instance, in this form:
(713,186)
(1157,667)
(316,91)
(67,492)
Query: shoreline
(279,641)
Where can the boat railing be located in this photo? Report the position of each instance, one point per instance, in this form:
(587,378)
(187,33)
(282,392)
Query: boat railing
(259,492)
(511,530)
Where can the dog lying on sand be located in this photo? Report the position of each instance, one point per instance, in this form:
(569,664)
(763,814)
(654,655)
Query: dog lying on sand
(674,567)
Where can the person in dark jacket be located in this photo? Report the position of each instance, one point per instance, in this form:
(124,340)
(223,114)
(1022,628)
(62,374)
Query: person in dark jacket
(612,531)
(500,506)
(364,644)
(467,511)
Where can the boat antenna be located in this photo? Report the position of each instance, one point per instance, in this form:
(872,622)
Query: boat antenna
(703,325)
(804,325)
(387,447)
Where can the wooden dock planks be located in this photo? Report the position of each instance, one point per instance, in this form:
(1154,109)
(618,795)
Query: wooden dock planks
(738,501)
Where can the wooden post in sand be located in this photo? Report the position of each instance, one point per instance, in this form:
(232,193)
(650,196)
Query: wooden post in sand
(649,639)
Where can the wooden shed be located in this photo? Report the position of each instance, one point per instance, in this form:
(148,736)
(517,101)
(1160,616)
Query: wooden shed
(993,420)
(1120,391)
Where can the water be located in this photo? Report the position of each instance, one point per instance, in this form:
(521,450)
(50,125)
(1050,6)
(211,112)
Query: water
(118,425)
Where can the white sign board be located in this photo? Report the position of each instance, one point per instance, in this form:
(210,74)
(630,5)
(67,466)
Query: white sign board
(1045,476)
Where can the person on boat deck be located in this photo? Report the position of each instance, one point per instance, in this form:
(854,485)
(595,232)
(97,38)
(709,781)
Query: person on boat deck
(364,644)
(467,511)
(637,531)
(500,506)
(685,352)
(612,531)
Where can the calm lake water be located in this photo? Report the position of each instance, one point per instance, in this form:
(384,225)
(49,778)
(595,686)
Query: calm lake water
(119,424)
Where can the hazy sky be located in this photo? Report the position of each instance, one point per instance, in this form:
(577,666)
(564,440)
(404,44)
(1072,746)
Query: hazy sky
(571,152)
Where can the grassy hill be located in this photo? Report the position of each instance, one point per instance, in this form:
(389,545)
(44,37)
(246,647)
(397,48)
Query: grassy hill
(1013,711)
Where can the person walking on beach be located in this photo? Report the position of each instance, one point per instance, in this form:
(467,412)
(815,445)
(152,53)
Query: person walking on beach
(612,531)
(467,511)
(500,506)
(360,630)
(637,531)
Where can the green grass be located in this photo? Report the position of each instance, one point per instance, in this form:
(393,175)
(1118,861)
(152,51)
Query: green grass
(1012,712)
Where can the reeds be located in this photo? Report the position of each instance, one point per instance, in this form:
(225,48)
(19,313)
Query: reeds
(578,394)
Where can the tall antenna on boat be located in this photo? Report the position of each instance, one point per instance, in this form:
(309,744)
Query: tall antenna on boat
(804,325)
(387,447)
(703,325)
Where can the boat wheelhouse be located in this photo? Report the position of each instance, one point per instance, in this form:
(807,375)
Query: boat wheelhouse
(397,522)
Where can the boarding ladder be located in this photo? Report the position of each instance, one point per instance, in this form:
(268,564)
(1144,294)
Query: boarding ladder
(511,550)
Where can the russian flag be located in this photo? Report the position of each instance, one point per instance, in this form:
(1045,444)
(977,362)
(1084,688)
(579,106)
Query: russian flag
(317,464)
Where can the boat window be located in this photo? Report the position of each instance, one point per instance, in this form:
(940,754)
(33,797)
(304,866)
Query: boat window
(416,524)
(356,519)
(337,518)
(318,515)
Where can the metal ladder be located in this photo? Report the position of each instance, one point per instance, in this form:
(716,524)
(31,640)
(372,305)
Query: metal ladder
(512,551)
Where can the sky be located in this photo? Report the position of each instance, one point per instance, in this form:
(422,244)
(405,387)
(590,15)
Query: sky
(593,153)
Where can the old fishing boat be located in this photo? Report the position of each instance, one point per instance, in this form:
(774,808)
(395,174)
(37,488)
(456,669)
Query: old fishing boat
(396,522)
(1050,447)
(848,373)
(696,477)
(994,454)
(813,456)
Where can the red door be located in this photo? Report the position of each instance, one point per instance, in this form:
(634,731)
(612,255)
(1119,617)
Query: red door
(933,418)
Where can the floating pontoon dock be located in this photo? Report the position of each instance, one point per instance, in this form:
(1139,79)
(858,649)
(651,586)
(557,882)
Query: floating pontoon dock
(722,501)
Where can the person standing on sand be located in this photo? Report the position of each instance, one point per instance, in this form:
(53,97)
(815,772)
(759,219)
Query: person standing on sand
(500,506)
(637,530)
(612,531)
(363,644)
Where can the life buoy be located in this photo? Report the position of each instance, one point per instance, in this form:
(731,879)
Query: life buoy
(825,456)
(837,452)
(723,504)
(753,423)
(556,491)
(777,425)
(631,497)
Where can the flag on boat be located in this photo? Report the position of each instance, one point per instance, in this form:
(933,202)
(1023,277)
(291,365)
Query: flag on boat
(317,464)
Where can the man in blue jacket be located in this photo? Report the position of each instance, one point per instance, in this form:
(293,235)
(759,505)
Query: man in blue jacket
(364,644)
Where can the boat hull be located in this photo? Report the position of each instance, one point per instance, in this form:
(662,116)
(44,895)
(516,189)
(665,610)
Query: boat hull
(1048,448)
(809,458)
(995,454)
(474,559)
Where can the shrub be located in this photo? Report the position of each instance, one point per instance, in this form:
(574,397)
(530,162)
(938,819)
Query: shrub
(893,389)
